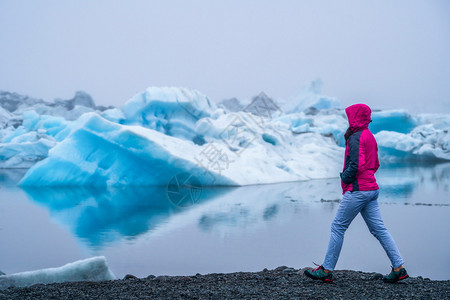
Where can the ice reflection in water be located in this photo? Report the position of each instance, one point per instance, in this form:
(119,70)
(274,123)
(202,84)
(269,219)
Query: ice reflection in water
(141,231)
(101,216)
(398,182)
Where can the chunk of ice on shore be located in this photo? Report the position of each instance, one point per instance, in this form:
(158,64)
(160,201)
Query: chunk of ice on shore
(91,269)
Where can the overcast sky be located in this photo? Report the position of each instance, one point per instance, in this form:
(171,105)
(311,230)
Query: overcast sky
(388,54)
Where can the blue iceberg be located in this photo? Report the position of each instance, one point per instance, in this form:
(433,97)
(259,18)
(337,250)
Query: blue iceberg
(393,120)
(425,143)
(165,131)
(98,152)
(31,127)
(172,111)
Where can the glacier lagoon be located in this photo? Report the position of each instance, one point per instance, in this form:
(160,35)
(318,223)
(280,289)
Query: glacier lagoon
(146,230)
(98,177)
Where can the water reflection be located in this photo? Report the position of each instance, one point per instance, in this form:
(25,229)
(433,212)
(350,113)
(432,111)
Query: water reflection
(252,206)
(10,177)
(99,216)
(102,217)
(399,181)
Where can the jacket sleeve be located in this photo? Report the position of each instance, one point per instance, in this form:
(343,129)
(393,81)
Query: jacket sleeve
(377,162)
(349,174)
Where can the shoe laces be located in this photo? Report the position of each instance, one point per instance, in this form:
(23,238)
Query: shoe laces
(318,267)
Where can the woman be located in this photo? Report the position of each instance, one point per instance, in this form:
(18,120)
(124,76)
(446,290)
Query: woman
(360,192)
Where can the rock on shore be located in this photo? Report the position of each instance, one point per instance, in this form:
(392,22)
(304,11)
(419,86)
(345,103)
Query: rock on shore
(280,283)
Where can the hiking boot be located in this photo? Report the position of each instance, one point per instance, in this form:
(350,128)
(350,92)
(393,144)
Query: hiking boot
(319,274)
(396,276)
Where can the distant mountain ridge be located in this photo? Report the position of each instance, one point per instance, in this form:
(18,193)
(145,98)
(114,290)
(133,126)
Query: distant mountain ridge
(17,103)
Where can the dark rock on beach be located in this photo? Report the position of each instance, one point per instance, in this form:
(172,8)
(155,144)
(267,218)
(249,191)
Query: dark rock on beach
(129,276)
(267,284)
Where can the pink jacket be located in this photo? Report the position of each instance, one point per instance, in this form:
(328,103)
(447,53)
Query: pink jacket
(361,152)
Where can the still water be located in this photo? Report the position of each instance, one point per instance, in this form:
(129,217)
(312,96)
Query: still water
(151,230)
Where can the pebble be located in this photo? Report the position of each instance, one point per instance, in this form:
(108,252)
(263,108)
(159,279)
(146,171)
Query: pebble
(280,268)
(376,276)
(301,271)
(289,270)
(162,278)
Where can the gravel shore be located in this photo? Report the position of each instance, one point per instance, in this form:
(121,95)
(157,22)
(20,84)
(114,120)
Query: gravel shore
(280,283)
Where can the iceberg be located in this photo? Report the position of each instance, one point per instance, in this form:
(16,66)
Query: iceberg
(231,105)
(30,127)
(424,143)
(5,116)
(98,152)
(91,269)
(311,100)
(172,111)
(30,142)
(165,131)
(24,151)
(115,115)
(393,120)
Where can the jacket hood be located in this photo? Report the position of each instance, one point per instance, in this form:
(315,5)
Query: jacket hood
(358,116)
